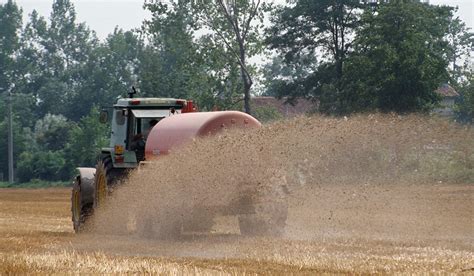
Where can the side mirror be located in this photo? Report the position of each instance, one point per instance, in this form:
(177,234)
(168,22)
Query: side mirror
(104,116)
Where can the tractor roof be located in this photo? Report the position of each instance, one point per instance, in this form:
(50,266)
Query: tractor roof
(136,102)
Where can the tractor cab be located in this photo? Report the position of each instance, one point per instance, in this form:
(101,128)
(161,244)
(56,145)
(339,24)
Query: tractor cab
(132,120)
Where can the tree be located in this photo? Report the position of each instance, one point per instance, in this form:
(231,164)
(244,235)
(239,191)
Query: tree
(311,26)
(224,78)
(46,165)
(10,25)
(179,61)
(234,26)
(86,138)
(51,132)
(283,79)
(44,156)
(461,42)
(313,39)
(171,65)
(57,53)
(399,59)
(57,146)
(464,110)
(109,72)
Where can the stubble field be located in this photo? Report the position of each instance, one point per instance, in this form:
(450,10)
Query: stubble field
(376,194)
(36,236)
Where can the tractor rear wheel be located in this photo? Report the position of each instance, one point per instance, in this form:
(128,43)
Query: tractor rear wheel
(105,178)
(79,210)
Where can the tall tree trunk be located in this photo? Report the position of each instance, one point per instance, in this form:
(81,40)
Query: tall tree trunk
(339,64)
(247,87)
(245,76)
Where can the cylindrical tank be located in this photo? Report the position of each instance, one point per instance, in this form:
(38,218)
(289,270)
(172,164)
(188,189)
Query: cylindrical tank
(178,129)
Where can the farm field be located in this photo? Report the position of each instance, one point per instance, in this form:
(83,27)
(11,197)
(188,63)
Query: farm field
(36,236)
(298,137)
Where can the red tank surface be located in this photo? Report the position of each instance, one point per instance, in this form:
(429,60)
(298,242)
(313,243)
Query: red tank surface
(178,129)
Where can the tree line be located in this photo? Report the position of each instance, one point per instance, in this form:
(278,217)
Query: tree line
(343,55)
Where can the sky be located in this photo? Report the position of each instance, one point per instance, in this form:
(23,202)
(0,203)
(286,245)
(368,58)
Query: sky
(103,16)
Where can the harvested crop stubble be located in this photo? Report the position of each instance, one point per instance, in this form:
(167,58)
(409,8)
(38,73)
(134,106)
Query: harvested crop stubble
(366,194)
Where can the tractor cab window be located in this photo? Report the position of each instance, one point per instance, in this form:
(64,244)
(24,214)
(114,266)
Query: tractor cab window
(144,120)
(144,125)
(140,124)
(119,117)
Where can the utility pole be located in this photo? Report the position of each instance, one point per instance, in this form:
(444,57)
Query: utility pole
(10,138)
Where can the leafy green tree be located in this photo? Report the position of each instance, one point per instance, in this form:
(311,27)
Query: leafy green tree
(85,141)
(181,62)
(223,79)
(121,60)
(56,53)
(308,27)
(170,64)
(235,27)
(57,146)
(389,59)
(464,109)
(282,79)
(45,165)
(110,71)
(51,132)
(461,42)
(43,158)
(399,59)
(30,75)
(185,58)
(313,39)
(10,24)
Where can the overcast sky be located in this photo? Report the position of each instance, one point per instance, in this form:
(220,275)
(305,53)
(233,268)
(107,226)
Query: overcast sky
(103,15)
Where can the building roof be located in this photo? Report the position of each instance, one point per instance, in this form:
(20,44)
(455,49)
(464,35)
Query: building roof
(447,90)
(302,106)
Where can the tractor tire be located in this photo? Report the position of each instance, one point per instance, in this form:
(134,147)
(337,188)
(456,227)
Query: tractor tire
(269,219)
(105,178)
(80,211)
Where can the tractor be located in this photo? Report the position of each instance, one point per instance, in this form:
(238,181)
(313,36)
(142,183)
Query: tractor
(143,129)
